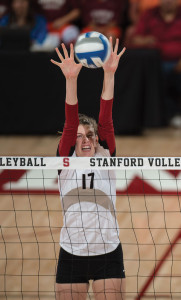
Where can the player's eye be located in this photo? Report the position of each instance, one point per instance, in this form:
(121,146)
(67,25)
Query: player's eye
(90,136)
(79,136)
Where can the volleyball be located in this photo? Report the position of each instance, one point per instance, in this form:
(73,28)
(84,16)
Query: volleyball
(92,49)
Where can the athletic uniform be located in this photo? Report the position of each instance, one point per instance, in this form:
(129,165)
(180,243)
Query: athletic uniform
(89,239)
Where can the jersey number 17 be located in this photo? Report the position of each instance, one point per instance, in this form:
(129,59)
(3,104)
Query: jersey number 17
(91,181)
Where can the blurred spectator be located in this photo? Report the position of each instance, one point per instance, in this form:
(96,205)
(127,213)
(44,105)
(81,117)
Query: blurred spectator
(21,15)
(61,15)
(136,9)
(160,28)
(103,16)
(3,7)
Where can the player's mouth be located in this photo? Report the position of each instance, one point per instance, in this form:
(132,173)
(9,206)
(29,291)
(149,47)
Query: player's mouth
(86,148)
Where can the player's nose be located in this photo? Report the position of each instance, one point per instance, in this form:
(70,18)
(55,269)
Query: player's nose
(85,139)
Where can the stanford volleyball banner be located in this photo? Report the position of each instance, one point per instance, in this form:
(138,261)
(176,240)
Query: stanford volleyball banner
(134,175)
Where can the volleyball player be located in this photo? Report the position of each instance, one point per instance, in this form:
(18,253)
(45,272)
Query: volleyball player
(89,239)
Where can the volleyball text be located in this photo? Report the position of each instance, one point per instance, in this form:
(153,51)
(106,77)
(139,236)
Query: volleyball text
(22,162)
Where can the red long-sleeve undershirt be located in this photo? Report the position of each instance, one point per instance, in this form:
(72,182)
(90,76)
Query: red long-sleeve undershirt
(105,128)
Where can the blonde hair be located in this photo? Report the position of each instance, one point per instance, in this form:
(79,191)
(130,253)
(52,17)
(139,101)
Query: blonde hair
(85,120)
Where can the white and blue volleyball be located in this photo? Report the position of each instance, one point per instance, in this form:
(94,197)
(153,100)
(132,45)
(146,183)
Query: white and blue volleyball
(92,49)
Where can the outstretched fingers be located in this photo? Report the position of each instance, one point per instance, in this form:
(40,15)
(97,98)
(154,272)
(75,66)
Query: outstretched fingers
(71,51)
(116,46)
(65,50)
(110,41)
(55,62)
(59,54)
(65,54)
(122,52)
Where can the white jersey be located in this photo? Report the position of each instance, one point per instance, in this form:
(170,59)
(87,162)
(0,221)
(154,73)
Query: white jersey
(88,199)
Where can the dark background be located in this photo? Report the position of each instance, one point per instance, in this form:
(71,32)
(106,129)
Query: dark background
(33,93)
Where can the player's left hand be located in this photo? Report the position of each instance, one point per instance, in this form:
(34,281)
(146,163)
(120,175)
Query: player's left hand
(111,64)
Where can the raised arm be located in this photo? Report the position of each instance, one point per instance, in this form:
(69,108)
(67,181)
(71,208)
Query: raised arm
(105,125)
(71,70)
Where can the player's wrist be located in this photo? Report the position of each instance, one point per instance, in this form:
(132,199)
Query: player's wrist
(109,75)
(72,79)
(108,79)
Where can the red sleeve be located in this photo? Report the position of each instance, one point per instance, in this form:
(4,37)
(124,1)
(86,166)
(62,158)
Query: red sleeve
(105,126)
(68,139)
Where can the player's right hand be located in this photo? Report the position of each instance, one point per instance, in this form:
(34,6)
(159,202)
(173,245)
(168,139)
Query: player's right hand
(68,65)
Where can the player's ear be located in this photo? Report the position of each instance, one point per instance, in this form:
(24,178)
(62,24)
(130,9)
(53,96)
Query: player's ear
(97,139)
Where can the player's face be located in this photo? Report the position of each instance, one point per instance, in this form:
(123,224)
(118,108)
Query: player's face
(86,141)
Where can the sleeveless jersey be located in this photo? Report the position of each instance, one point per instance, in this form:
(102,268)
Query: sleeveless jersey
(88,200)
